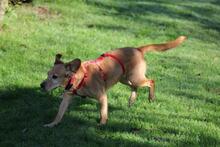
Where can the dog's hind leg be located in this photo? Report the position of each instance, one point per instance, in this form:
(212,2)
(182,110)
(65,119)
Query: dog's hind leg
(133,96)
(148,83)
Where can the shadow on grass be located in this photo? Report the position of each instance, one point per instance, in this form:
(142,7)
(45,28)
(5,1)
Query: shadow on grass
(200,97)
(186,77)
(106,27)
(24,110)
(135,10)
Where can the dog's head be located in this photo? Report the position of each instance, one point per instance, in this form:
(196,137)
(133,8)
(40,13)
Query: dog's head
(60,73)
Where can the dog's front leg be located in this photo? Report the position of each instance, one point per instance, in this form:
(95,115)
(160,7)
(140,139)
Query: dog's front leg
(63,107)
(103,109)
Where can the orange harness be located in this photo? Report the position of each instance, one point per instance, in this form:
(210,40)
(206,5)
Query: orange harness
(96,61)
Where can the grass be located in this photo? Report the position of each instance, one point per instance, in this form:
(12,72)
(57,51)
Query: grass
(187,109)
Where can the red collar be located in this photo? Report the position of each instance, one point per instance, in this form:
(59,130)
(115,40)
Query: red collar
(84,67)
(72,80)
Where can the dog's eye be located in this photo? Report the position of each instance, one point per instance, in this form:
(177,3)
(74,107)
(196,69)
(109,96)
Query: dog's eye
(54,76)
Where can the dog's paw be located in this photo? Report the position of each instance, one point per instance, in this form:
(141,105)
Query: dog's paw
(102,122)
(50,125)
(101,125)
(130,104)
(151,98)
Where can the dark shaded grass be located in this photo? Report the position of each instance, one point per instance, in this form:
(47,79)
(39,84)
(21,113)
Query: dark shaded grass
(28,108)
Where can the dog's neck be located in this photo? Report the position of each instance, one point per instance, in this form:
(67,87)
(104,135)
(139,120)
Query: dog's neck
(75,78)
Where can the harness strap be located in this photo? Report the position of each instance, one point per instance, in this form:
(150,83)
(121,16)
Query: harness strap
(96,61)
(116,59)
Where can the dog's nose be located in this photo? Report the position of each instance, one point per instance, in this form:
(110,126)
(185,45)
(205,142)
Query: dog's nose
(42,85)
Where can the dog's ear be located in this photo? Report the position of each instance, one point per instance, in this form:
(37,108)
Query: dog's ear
(73,65)
(57,59)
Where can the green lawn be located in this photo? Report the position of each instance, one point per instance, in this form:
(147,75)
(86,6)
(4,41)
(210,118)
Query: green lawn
(187,109)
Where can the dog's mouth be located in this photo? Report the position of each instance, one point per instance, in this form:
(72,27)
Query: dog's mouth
(44,88)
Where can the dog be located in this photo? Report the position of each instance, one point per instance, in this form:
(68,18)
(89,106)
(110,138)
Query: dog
(93,78)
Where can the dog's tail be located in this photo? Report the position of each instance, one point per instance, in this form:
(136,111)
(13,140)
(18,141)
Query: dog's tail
(163,46)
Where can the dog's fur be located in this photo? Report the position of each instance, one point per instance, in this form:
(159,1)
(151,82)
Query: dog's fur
(95,86)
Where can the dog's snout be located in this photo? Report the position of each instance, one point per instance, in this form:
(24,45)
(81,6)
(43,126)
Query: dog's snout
(42,85)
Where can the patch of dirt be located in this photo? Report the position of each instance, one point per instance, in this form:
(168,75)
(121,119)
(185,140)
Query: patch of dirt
(44,12)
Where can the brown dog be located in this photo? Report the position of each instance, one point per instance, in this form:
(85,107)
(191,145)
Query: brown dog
(93,78)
